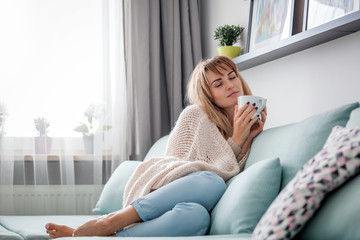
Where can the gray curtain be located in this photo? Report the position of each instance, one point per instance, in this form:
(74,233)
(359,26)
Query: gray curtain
(162,47)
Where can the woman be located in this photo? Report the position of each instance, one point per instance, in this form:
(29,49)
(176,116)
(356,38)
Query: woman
(172,195)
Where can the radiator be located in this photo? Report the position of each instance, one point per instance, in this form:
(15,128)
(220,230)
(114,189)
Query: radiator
(48,199)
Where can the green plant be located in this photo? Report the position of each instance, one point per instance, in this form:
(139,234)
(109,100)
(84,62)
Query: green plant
(41,126)
(87,127)
(228,35)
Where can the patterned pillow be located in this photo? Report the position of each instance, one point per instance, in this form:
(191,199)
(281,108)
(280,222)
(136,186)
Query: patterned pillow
(332,166)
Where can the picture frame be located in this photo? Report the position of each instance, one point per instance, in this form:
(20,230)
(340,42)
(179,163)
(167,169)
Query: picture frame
(320,12)
(270,21)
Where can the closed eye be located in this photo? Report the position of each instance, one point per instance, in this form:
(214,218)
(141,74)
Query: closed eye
(231,75)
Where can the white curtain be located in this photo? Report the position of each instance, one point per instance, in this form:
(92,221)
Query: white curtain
(63,109)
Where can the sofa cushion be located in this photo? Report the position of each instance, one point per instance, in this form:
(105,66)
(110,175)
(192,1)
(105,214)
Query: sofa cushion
(296,143)
(33,227)
(7,235)
(338,217)
(246,198)
(158,148)
(243,236)
(354,120)
(331,167)
(111,197)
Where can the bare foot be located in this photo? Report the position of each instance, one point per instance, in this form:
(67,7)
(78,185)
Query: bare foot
(94,227)
(56,230)
(108,224)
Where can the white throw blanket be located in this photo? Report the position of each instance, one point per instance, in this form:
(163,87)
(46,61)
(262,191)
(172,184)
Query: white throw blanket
(195,144)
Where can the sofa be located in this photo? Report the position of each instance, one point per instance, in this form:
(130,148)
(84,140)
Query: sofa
(278,155)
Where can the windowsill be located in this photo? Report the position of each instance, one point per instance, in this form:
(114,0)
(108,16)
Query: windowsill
(326,32)
(56,170)
(24,149)
(50,158)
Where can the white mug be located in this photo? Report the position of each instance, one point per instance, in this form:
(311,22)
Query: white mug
(259,101)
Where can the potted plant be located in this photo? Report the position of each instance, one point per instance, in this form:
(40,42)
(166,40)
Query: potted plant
(88,127)
(228,36)
(42,140)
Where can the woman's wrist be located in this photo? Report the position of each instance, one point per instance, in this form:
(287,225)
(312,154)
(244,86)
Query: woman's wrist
(246,146)
(234,146)
(238,142)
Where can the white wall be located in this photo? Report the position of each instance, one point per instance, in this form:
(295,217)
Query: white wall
(308,82)
(299,85)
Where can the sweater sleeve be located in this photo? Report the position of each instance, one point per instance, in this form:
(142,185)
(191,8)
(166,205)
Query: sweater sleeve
(236,148)
(241,158)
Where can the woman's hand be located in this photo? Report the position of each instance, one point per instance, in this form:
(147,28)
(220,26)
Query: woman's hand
(258,127)
(243,123)
(254,131)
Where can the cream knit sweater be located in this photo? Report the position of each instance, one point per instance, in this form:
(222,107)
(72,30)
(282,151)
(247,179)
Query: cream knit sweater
(195,144)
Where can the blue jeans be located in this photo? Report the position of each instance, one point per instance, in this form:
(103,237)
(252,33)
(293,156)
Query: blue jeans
(180,208)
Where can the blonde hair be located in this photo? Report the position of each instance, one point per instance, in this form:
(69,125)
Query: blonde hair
(198,91)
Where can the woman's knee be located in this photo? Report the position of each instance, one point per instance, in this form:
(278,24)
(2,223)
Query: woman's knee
(210,179)
(213,186)
(215,179)
(192,218)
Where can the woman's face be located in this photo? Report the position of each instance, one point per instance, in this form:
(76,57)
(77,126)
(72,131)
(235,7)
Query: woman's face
(225,88)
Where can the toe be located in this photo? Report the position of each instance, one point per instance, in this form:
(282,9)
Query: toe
(50,226)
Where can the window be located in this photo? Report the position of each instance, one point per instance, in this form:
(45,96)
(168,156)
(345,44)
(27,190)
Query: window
(51,63)
(59,62)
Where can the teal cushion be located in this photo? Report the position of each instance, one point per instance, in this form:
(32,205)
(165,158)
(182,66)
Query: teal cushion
(158,148)
(7,235)
(329,169)
(111,197)
(338,217)
(296,143)
(243,236)
(354,120)
(246,199)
